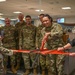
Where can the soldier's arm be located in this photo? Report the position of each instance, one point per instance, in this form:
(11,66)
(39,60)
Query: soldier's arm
(20,40)
(15,35)
(68,45)
(2,32)
(73,43)
(57,31)
(6,51)
(37,37)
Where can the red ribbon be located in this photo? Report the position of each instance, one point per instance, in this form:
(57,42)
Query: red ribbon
(44,51)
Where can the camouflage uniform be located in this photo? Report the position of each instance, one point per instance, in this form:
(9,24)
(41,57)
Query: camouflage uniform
(39,28)
(38,44)
(6,51)
(1,56)
(65,36)
(18,28)
(1,64)
(27,41)
(9,41)
(54,63)
(3,51)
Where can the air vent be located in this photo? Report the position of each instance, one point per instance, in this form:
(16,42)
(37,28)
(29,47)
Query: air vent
(32,8)
(55,2)
(22,6)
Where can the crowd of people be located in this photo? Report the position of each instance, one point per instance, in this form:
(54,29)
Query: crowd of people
(25,36)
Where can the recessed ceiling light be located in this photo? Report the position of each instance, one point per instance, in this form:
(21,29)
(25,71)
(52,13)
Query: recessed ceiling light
(17,12)
(2,18)
(13,19)
(39,10)
(2,0)
(1,14)
(66,7)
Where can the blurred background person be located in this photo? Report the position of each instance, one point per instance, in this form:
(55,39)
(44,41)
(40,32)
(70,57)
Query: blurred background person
(38,44)
(65,36)
(67,46)
(39,28)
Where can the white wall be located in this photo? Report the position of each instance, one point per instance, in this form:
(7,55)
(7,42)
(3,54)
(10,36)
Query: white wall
(2,22)
(70,20)
(67,20)
(37,22)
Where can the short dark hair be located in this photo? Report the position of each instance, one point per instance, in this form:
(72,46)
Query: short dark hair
(47,15)
(28,16)
(41,15)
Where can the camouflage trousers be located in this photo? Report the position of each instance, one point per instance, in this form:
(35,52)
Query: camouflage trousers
(42,61)
(27,57)
(12,58)
(1,61)
(18,55)
(2,71)
(54,63)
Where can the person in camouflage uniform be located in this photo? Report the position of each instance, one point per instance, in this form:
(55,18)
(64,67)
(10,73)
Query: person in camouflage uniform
(65,36)
(18,26)
(4,51)
(39,28)
(38,44)
(9,41)
(27,42)
(53,33)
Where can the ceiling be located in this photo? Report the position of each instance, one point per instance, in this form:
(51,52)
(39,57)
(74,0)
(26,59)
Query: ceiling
(28,7)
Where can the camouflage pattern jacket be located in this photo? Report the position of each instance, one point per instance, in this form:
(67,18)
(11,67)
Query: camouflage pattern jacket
(6,51)
(8,36)
(55,38)
(38,35)
(27,37)
(18,28)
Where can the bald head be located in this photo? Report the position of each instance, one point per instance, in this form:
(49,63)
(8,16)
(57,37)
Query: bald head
(20,17)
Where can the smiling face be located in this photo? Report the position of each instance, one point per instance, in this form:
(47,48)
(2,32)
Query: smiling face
(7,21)
(46,21)
(28,20)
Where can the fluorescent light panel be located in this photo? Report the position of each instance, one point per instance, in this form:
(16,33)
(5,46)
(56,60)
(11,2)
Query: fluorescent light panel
(2,0)
(39,10)
(66,7)
(2,18)
(17,12)
(13,19)
(1,14)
